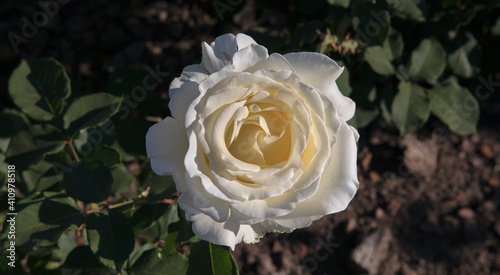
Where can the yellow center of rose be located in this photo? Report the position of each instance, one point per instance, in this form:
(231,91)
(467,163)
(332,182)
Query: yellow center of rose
(259,134)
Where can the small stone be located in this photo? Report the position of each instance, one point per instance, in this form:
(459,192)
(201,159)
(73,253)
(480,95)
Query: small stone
(351,225)
(393,207)
(379,213)
(374,176)
(277,247)
(494,182)
(365,162)
(373,250)
(420,156)
(486,151)
(300,249)
(466,213)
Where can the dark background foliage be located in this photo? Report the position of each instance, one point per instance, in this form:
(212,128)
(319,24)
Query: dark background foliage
(430,193)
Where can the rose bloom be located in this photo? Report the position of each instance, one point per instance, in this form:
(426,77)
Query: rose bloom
(256,143)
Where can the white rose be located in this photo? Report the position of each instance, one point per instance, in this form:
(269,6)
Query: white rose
(256,143)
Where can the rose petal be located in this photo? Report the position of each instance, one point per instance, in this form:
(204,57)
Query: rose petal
(243,41)
(322,77)
(274,62)
(219,53)
(248,57)
(230,233)
(337,187)
(182,97)
(166,144)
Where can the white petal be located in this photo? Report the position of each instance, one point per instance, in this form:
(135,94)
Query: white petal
(222,51)
(198,173)
(337,187)
(268,208)
(248,57)
(196,199)
(274,62)
(220,233)
(225,46)
(182,97)
(320,71)
(166,146)
(244,41)
(230,233)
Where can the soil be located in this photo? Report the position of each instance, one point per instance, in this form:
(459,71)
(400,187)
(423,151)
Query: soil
(428,203)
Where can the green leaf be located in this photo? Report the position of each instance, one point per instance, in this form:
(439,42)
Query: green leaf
(211,259)
(81,260)
(428,61)
(178,231)
(12,122)
(386,103)
(410,108)
(466,60)
(414,9)
(174,230)
(157,184)
(379,60)
(107,155)
(394,44)
(147,214)
(342,3)
(90,110)
(364,116)
(30,146)
(44,217)
(89,182)
(151,262)
(65,244)
(40,176)
(364,93)
(456,107)
(186,228)
(131,135)
(6,269)
(122,179)
(39,88)
(110,235)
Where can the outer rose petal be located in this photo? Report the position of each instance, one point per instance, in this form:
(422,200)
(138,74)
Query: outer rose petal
(166,146)
(321,72)
(338,184)
(220,53)
(230,233)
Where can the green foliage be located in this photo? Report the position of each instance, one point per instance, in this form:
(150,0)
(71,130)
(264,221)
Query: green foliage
(411,48)
(43,217)
(88,111)
(410,107)
(379,60)
(88,202)
(211,259)
(88,182)
(29,146)
(428,61)
(39,88)
(152,262)
(456,107)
